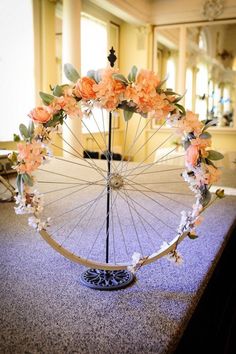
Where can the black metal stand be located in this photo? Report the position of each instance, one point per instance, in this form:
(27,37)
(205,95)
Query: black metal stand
(100,279)
(107,279)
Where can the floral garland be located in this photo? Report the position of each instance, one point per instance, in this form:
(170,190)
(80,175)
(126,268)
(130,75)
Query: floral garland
(141,92)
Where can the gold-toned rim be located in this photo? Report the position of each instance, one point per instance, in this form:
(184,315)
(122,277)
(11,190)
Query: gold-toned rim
(108,266)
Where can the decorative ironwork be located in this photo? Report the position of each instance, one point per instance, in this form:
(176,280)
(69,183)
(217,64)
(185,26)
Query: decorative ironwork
(112,57)
(106,279)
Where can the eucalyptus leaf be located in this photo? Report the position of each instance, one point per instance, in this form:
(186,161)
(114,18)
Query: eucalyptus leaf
(181,108)
(209,162)
(53,122)
(91,74)
(209,124)
(179,98)
(186,144)
(24,131)
(98,75)
(46,98)
(171,93)
(120,78)
(205,135)
(71,73)
(214,155)
(205,198)
(161,83)
(128,115)
(19,183)
(27,179)
(31,128)
(133,73)
(57,91)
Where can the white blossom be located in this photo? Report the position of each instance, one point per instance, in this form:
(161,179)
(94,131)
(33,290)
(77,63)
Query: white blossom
(137,261)
(38,224)
(175,257)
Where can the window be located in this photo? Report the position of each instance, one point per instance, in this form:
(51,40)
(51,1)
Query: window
(201,90)
(171,72)
(189,89)
(94,45)
(17,89)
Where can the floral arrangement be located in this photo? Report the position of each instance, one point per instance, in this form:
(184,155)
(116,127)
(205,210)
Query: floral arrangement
(141,92)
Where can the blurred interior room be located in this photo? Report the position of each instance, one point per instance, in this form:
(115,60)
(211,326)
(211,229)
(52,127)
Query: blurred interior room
(191,45)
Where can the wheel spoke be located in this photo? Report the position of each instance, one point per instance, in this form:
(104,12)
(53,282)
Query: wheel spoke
(150,190)
(151,213)
(133,223)
(90,161)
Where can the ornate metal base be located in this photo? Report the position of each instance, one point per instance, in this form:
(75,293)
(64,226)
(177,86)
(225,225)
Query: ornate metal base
(106,279)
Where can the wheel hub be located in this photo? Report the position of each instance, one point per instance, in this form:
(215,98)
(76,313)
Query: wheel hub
(116,181)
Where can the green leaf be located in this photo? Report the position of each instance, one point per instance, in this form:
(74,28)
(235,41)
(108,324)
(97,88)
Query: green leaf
(54,121)
(209,162)
(71,73)
(181,108)
(24,131)
(19,183)
(128,115)
(171,93)
(205,198)
(214,155)
(186,144)
(13,157)
(46,98)
(31,128)
(133,73)
(16,138)
(27,179)
(120,78)
(57,91)
(209,124)
(162,82)
(205,135)
(91,74)
(179,98)
(98,75)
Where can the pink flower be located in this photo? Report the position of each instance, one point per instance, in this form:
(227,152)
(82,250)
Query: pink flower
(197,148)
(147,78)
(109,90)
(207,174)
(143,94)
(212,174)
(68,104)
(84,88)
(192,155)
(190,123)
(41,114)
(30,156)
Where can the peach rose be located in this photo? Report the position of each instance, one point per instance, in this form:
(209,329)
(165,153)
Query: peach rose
(41,114)
(84,88)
